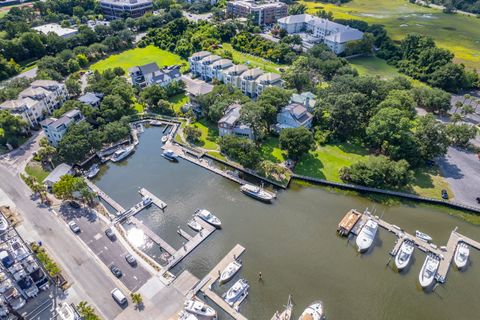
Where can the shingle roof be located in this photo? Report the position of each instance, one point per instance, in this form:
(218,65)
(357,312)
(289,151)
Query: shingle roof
(89,98)
(149,68)
(58,172)
(232,115)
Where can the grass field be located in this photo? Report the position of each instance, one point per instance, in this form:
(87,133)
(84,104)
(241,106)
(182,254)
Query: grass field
(34,169)
(138,56)
(178,101)
(270,150)
(254,61)
(209,137)
(457,33)
(373,66)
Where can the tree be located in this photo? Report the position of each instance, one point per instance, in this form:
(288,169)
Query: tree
(67,185)
(272,99)
(431,99)
(401,100)
(86,311)
(378,172)
(296,141)
(431,137)
(78,142)
(73,87)
(152,94)
(115,131)
(460,134)
(46,152)
(297,8)
(192,133)
(251,114)
(8,68)
(12,128)
(136,298)
(242,150)
(467,109)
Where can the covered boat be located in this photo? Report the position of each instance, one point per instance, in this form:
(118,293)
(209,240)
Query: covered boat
(170,155)
(428,271)
(461,255)
(230,271)
(122,153)
(237,292)
(313,312)
(200,308)
(423,236)
(207,216)
(404,255)
(367,235)
(93,171)
(257,192)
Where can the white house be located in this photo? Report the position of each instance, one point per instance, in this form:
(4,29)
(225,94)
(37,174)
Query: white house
(149,74)
(216,68)
(55,129)
(59,171)
(195,61)
(334,35)
(294,116)
(267,80)
(232,75)
(230,123)
(206,66)
(57,29)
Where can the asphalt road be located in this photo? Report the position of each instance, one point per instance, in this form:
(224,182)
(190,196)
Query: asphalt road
(110,252)
(90,280)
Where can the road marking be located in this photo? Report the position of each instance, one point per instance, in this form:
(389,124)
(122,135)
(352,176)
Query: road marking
(97,236)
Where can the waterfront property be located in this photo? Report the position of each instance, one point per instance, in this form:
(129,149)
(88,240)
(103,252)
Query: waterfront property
(294,116)
(114,9)
(91,98)
(55,128)
(54,176)
(148,74)
(261,12)
(230,123)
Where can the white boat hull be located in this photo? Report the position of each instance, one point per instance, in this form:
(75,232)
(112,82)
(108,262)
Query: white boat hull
(206,216)
(237,292)
(404,255)
(366,235)
(313,312)
(429,269)
(230,271)
(200,308)
(462,252)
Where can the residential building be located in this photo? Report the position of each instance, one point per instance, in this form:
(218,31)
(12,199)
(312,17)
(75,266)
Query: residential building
(55,129)
(59,171)
(306,99)
(91,98)
(149,74)
(216,68)
(334,35)
(195,88)
(232,75)
(230,123)
(206,66)
(37,101)
(261,12)
(57,29)
(248,83)
(114,9)
(268,79)
(195,62)
(294,116)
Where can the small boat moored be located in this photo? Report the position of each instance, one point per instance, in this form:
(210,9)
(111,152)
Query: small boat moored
(257,192)
(170,155)
(423,236)
(200,308)
(122,153)
(404,254)
(230,271)
(93,171)
(164,139)
(207,216)
(286,313)
(428,271)
(238,292)
(194,225)
(147,201)
(313,312)
(462,253)
(367,235)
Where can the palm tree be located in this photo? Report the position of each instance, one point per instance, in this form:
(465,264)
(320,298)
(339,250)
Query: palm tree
(467,109)
(87,196)
(466,97)
(136,298)
(86,311)
(456,117)
(477,102)
(458,105)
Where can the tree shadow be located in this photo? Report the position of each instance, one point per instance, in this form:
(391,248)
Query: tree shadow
(352,147)
(449,170)
(309,165)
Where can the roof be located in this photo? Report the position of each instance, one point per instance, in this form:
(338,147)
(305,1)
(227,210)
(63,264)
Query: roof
(55,28)
(33,92)
(301,98)
(45,83)
(12,104)
(211,58)
(199,89)
(61,170)
(238,68)
(221,62)
(298,112)
(345,36)
(232,115)
(148,68)
(126,2)
(254,73)
(298,18)
(201,54)
(269,77)
(64,119)
(89,98)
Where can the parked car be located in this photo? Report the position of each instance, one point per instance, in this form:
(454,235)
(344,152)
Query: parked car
(110,234)
(74,204)
(131,260)
(74,227)
(118,296)
(116,271)
(444,194)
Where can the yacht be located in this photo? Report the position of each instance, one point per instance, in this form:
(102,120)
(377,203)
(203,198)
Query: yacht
(230,271)
(404,254)
(207,216)
(257,192)
(428,271)
(93,171)
(164,139)
(199,308)
(194,225)
(122,153)
(237,292)
(461,255)
(170,155)
(423,236)
(3,224)
(367,235)
(313,312)
(287,312)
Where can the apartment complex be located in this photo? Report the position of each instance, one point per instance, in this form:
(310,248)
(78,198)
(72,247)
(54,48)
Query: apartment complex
(55,129)
(334,35)
(261,12)
(250,81)
(148,74)
(37,101)
(114,9)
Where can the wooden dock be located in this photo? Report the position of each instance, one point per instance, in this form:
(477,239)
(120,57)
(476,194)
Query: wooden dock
(184,234)
(348,222)
(131,212)
(152,235)
(156,201)
(115,205)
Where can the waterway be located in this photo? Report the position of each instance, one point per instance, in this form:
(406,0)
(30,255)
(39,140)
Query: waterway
(294,243)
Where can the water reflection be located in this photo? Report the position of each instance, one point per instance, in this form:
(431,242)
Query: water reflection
(136,237)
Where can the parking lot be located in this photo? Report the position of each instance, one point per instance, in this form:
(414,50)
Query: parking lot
(109,252)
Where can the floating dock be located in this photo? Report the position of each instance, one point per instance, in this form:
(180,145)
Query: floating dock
(156,201)
(184,234)
(348,222)
(152,235)
(115,205)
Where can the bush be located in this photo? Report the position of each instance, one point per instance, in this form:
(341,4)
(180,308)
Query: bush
(193,133)
(242,150)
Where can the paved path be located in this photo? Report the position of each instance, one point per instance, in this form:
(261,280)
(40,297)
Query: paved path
(17,159)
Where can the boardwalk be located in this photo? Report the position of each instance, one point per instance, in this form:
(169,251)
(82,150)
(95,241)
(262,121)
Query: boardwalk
(156,201)
(184,234)
(115,205)
(152,235)
(132,211)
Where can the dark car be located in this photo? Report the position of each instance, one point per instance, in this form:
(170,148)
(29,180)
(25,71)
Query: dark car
(74,205)
(116,271)
(131,260)
(444,194)
(110,234)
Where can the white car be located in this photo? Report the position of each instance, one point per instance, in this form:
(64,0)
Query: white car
(74,227)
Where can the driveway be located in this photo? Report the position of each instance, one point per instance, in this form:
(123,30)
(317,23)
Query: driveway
(109,252)
(461,170)
(17,159)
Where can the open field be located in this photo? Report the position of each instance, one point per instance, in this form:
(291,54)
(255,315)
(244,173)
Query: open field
(178,101)
(34,169)
(373,66)
(457,33)
(138,56)
(209,137)
(239,58)
(270,150)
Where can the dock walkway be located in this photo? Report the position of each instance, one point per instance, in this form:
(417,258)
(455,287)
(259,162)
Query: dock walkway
(152,235)
(115,205)
(159,203)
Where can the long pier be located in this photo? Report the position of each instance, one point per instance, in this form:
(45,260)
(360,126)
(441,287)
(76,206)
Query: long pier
(152,235)
(115,205)
(156,201)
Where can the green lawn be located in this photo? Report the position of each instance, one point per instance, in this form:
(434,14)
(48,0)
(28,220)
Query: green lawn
(428,182)
(455,32)
(34,169)
(178,101)
(373,66)
(209,137)
(270,150)
(138,107)
(138,56)
(254,61)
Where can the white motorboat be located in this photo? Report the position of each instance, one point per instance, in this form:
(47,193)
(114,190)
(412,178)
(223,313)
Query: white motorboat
(207,216)
(367,235)
(147,201)
(230,271)
(461,255)
(164,139)
(170,155)
(3,224)
(122,153)
(257,192)
(155,123)
(194,225)
(286,314)
(428,271)
(93,171)
(237,292)
(199,308)
(404,254)
(313,312)
(423,236)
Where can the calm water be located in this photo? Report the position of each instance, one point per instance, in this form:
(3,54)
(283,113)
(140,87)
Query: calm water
(294,244)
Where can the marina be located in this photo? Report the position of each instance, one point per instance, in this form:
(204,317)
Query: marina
(156,201)
(102,195)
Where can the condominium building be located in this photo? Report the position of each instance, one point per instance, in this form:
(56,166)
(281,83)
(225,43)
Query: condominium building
(248,83)
(57,29)
(216,68)
(195,61)
(114,9)
(232,75)
(36,102)
(261,12)
(267,80)
(55,129)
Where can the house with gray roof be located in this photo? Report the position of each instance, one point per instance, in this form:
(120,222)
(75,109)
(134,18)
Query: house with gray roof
(148,74)
(268,79)
(230,123)
(57,173)
(91,98)
(55,129)
(293,116)
(306,99)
